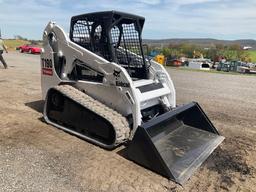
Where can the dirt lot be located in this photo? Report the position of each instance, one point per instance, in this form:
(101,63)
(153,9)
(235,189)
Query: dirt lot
(37,157)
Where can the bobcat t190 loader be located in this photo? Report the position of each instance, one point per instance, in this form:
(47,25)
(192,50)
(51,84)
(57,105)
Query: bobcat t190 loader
(98,85)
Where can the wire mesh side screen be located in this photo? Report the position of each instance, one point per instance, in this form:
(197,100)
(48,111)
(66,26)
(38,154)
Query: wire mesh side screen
(90,35)
(81,33)
(127,46)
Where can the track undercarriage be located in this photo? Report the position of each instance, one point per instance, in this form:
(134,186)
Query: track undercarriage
(75,112)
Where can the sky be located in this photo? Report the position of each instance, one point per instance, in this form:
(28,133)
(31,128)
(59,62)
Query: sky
(219,19)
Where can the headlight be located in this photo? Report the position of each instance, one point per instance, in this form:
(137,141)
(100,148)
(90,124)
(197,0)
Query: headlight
(161,76)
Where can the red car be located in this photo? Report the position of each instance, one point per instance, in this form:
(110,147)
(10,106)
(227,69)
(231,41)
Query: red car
(33,49)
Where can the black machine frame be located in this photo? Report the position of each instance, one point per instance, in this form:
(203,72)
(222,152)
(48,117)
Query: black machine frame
(115,36)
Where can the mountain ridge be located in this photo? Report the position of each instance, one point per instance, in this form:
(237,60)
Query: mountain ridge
(203,42)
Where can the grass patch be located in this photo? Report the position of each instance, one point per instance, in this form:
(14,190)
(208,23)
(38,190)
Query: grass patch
(13,43)
(252,55)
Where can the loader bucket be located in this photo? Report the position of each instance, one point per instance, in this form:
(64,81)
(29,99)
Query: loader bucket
(176,143)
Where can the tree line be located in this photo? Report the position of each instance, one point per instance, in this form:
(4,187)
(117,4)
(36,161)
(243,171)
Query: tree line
(228,52)
(34,42)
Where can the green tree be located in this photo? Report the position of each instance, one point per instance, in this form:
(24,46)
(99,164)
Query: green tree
(236,47)
(245,56)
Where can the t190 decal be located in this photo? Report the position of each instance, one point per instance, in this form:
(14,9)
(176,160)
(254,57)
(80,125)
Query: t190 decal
(47,67)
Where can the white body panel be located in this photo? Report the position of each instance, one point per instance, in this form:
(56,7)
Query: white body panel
(127,100)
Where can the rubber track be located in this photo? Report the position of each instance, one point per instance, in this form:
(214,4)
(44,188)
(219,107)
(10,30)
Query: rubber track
(118,121)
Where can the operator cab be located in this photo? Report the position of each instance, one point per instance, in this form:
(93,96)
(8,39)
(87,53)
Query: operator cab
(113,35)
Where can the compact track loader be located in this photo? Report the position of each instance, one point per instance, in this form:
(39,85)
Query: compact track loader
(98,85)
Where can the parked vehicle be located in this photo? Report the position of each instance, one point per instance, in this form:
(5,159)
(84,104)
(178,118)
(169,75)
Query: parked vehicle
(32,49)
(223,66)
(229,66)
(249,68)
(202,64)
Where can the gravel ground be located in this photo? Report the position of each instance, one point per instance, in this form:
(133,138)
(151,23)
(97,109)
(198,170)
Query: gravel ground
(35,156)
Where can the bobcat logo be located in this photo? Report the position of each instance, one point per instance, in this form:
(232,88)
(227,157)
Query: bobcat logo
(116,73)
